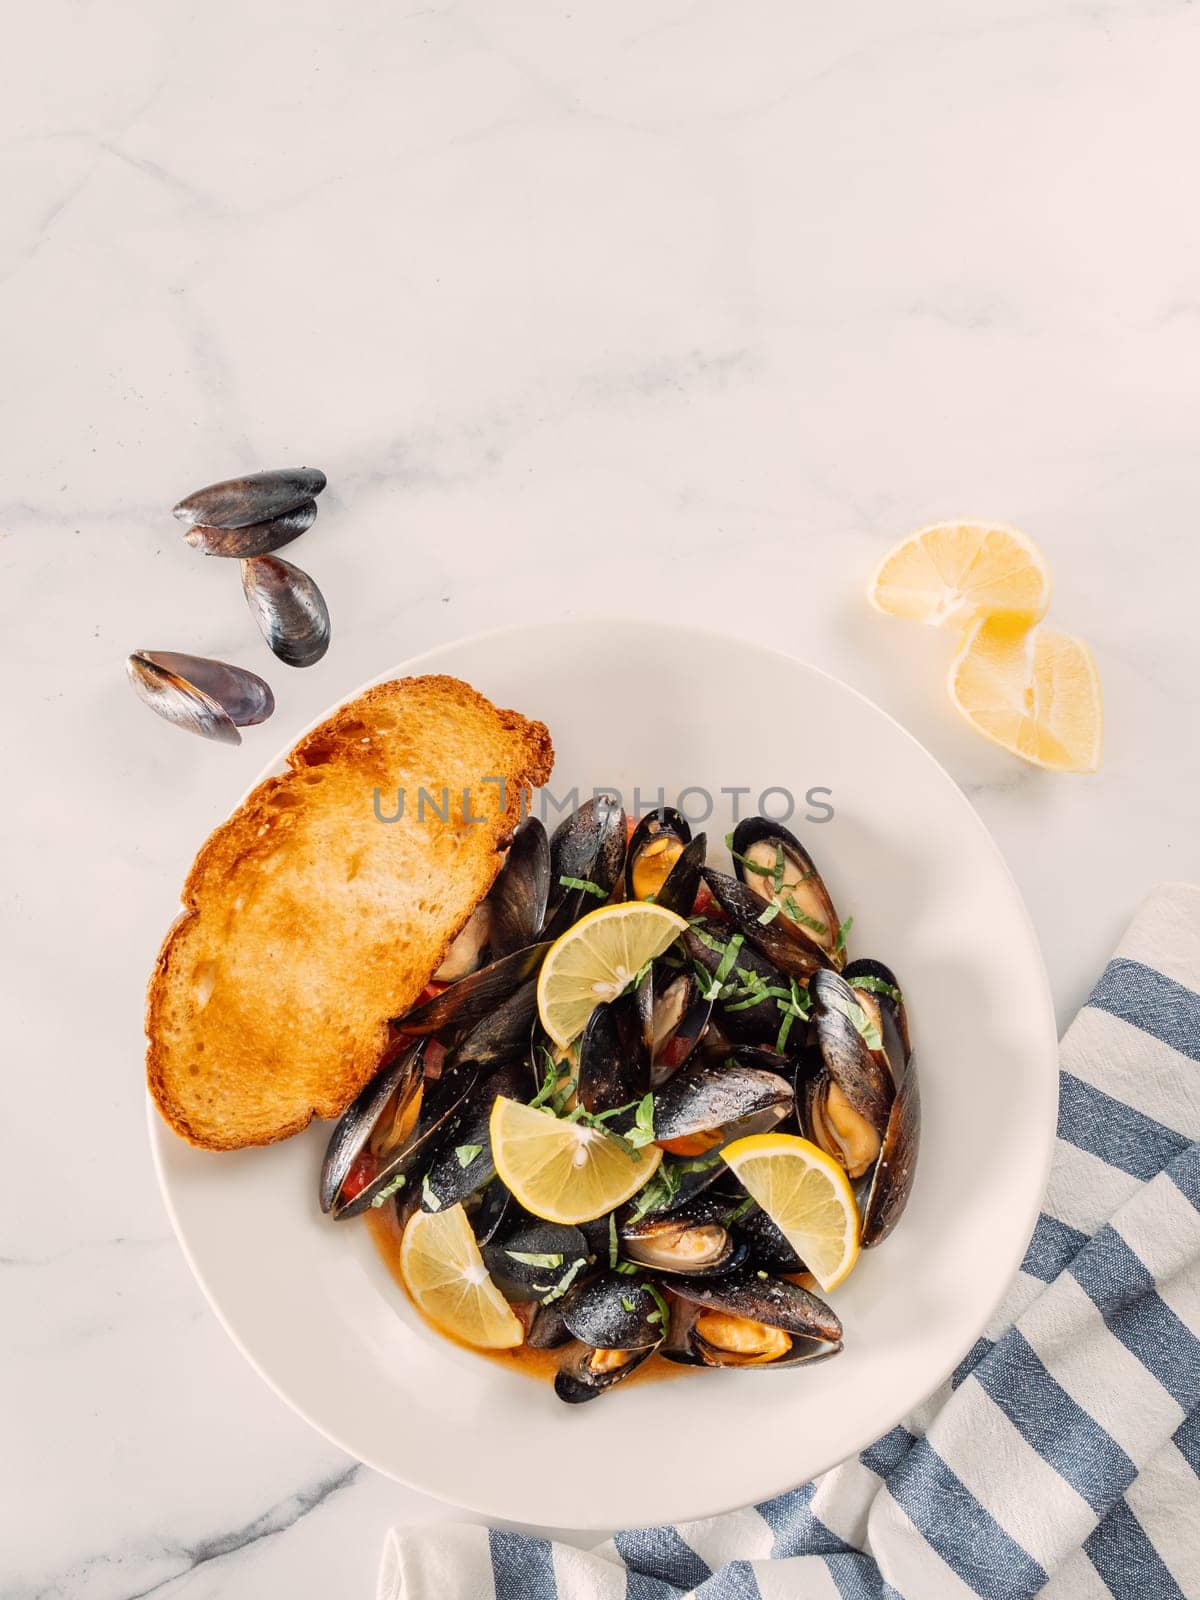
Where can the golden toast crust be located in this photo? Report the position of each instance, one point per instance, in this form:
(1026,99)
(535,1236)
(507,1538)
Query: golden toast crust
(307,922)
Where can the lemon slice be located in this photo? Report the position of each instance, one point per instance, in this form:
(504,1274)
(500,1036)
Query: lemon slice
(1033,691)
(954,572)
(445,1274)
(806,1194)
(564,1171)
(596,958)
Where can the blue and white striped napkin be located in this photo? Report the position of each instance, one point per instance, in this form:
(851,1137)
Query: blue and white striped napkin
(1063,1457)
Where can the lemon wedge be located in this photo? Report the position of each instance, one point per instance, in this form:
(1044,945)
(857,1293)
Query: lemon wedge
(596,958)
(806,1195)
(1033,691)
(564,1171)
(445,1275)
(954,572)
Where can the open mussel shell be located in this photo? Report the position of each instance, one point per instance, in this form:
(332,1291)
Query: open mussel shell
(765,852)
(710,1098)
(688,1241)
(463,1164)
(892,1180)
(663,861)
(289,608)
(473,999)
(875,986)
(678,1020)
(258,497)
(747,1320)
(257,539)
(789,949)
(859,1071)
(394,1087)
(589,1373)
(503,1034)
(537,1260)
(211,698)
(587,847)
(518,898)
(614,1052)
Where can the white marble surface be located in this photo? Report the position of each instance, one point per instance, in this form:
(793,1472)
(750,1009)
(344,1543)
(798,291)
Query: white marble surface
(657,308)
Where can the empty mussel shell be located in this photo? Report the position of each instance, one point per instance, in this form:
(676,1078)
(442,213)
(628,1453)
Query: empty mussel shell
(289,608)
(211,698)
(259,497)
(257,538)
(517,900)
(892,1180)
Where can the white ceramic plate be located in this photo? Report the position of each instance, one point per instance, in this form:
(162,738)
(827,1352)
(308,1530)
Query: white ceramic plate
(313,1307)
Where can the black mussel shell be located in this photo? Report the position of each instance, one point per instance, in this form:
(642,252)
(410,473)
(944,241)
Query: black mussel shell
(257,538)
(588,847)
(859,1070)
(537,1260)
(517,901)
(547,1330)
(463,1164)
(258,497)
(789,950)
(664,834)
(799,867)
(892,1180)
(768,1247)
(703,1097)
(614,1053)
(472,999)
(289,608)
(590,1373)
(736,1012)
(776,1301)
(494,1211)
(680,1016)
(879,982)
(401,1074)
(614,1311)
(503,1034)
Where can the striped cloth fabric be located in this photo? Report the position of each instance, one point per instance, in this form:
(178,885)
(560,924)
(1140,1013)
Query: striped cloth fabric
(1063,1457)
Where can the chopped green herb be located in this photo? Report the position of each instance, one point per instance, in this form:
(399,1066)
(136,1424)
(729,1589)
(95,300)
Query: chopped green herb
(876,986)
(843,934)
(661,1313)
(532,1258)
(738,1212)
(567,1279)
(612,1238)
(780,864)
(466,1153)
(763,1275)
(627,1268)
(627,1304)
(802,917)
(389,1189)
(586,886)
(769,912)
(427,1194)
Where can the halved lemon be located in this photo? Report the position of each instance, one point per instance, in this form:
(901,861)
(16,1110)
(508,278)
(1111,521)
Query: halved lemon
(806,1194)
(444,1272)
(564,1171)
(954,572)
(1033,691)
(596,958)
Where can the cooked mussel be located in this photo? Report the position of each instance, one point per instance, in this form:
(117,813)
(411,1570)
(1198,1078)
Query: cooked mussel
(620,1321)
(257,538)
(679,1016)
(749,1320)
(705,1103)
(877,991)
(537,1260)
(458,1009)
(691,1240)
(517,901)
(892,1180)
(258,497)
(390,1130)
(663,861)
(754,997)
(211,698)
(788,949)
(847,1100)
(614,1052)
(775,866)
(463,1164)
(586,854)
(289,608)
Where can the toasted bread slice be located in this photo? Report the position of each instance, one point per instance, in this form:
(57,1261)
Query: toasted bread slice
(308,922)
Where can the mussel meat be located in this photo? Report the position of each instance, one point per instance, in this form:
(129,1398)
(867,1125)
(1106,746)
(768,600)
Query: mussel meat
(289,608)
(258,497)
(663,861)
(775,866)
(790,951)
(691,1240)
(257,538)
(211,698)
(749,1320)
